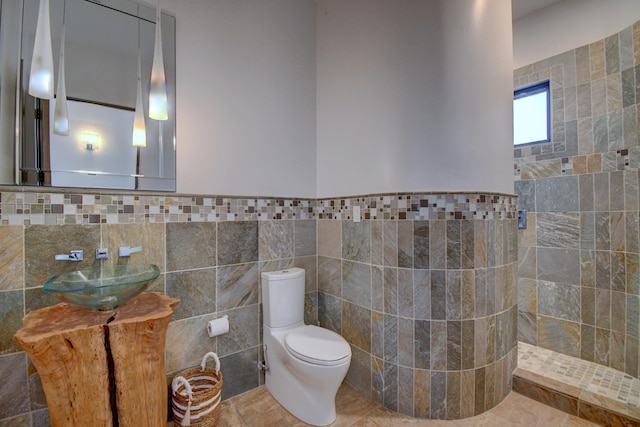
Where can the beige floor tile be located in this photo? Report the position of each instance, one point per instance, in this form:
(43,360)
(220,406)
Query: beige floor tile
(522,411)
(257,408)
(254,403)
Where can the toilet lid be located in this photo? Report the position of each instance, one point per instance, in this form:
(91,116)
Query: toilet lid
(317,345)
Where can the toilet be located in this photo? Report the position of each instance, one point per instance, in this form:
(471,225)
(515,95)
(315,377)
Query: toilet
(304,364)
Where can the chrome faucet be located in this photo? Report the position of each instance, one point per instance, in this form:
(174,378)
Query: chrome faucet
(127,250)
(75,255)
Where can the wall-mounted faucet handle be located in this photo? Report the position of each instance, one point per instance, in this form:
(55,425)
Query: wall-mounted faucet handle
(75,255)
(127,250)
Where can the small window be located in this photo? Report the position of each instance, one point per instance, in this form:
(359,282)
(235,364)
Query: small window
(531,118)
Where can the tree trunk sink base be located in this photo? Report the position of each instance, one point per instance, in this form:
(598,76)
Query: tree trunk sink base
(102,368)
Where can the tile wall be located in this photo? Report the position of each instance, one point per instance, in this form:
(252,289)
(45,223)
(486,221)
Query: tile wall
(578,283)
(424,289)
(435,269)
(210,251)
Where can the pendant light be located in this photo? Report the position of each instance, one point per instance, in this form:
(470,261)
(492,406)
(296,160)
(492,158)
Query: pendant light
(61,112)
(158,108)
(41,76)
(139,131)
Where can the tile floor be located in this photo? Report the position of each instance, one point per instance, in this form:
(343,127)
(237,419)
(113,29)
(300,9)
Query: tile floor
(257,408)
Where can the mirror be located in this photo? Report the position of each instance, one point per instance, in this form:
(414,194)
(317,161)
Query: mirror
(102,41)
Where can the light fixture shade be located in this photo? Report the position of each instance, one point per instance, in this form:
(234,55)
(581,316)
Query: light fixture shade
(139,131)
(61,113)
(41,76)
(158,103)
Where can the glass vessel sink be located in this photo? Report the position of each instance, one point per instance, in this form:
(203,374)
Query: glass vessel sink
(102,288)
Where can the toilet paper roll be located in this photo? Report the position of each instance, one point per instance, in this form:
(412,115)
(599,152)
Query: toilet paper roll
(218,326)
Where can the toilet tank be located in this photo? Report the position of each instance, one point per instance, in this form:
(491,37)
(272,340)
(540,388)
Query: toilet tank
(283,297)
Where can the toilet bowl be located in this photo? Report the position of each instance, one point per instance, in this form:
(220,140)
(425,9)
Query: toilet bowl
(305,364)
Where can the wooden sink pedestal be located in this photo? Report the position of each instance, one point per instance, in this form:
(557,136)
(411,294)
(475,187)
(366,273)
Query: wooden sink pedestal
(102,368)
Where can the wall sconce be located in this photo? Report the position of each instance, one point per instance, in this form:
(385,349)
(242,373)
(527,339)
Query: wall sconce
(91,141)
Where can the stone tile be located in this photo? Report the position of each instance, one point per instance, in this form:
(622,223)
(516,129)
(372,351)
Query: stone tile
(237,286)
(356,325)
(390,277)
(438,295)
(453,244)
(377,243)
(330,276)
(14,393)
(405,244)
(405,391)
(559,300)
(559,335)
(196,290)
(453,294)
(405,342)
(558,265)
(190,333)
(522,413)
(240,372)
(191,245)
(244,330)
(305,237)
(422,294)
(438,239)
(438,345)
(421,244)
(390,386)
(390,339)
(309,265)
(359,374)
(356,241)
(405,292)
(330,312)
(11,258)
(390,243)
(41,242)
(330,238)
(548,187)
(453,395)
(377,334)
(11,313)
(356,283)
(438,402)
(454,346)
(558,230)
(276,240)
(239,240)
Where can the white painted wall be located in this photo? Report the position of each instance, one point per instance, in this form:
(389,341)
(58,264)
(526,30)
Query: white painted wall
(414,96)
(567,25)
(245,97)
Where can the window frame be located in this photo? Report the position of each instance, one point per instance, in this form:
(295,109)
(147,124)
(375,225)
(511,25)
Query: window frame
(535,89)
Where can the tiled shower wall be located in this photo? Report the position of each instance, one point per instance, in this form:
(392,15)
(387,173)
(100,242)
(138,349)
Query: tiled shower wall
(578,280)
(423,288)
(210,251)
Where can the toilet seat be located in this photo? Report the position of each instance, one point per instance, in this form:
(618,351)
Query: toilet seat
(317,345)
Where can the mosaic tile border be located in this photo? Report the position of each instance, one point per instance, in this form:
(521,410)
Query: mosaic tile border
(24,206)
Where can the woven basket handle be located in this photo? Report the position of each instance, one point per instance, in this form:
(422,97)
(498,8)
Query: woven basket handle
(176,383)
(215,357)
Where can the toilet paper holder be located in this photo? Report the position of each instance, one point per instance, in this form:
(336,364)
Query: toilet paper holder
(218,326)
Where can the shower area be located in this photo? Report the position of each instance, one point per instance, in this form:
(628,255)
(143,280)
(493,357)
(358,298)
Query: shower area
(578,259)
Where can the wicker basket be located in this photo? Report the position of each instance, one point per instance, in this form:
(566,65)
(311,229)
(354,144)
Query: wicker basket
(196,395)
